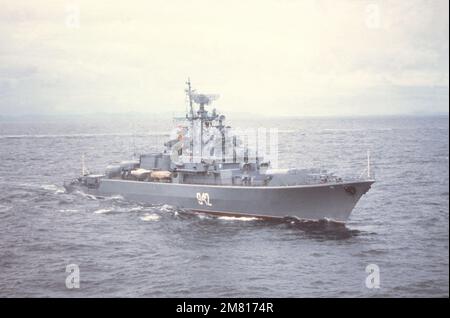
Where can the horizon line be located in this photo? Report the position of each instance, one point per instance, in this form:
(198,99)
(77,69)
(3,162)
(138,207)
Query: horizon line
(171,114)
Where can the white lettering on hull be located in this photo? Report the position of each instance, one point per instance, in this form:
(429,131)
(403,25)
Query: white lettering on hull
(203,198)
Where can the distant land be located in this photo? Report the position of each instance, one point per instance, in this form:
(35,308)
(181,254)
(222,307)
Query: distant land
(169,115)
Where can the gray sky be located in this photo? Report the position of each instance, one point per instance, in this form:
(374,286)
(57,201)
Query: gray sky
(323,57)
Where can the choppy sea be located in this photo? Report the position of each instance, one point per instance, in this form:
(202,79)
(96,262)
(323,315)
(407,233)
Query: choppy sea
(127,249)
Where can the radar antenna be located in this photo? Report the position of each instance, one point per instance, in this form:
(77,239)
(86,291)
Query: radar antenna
(203,99)
(201,114)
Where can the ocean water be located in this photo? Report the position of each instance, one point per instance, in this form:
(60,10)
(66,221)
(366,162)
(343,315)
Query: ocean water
(127,249)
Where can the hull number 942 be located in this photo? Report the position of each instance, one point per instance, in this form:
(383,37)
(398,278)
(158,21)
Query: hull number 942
(203,198)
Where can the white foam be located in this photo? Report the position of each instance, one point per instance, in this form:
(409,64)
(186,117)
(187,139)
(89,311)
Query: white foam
(52,187)
(49,187)
(135,209)
(101,211)
(234,218)
(114,197)
(4,208)
(203,216)
(68,210)
(150,217)
(166,208)
(86,195)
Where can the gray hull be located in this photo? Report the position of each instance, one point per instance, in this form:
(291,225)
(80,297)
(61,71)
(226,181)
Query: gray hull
(333,201)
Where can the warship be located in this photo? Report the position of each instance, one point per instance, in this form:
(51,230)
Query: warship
(206,168)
